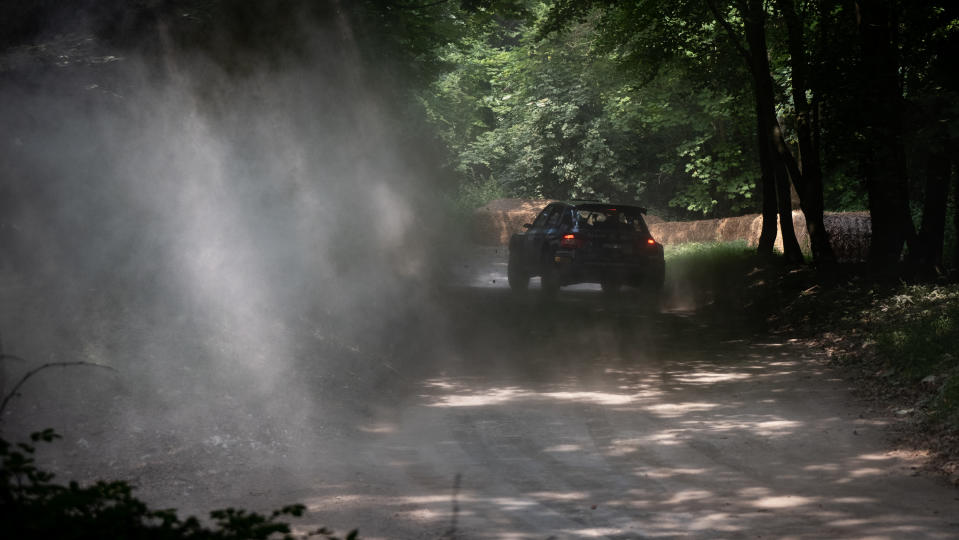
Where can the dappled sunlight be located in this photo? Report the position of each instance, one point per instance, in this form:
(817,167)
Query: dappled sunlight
(564,448)
(704,377)
(377,428)
(881,456)
(560,496)
(784,363)
(784,501)
(754,492)
(593,532)
(599,398)
(494,396)
(663,472)
(827,467)
(461,396)
(676,410)
(512,503)
(665,502)
(854,500)
(623,447)
(689,495)
(766,428)
(719,446)
(866,471)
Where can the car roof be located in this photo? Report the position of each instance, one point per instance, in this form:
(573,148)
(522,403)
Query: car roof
(596,205)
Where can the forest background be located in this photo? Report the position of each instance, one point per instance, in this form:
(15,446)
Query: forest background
(715,109)
(694,108)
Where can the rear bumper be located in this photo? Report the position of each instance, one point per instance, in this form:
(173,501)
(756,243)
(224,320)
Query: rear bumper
(642,272)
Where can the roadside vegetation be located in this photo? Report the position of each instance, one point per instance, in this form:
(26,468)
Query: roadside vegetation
(897,340)
(34,505)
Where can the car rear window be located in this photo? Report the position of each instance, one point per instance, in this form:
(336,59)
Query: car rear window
(611,218)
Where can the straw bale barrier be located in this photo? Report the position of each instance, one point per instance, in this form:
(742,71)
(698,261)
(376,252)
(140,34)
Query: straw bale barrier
(494,223)
(849,232)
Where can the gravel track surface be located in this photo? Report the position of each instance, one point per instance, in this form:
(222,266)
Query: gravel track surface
(527,417)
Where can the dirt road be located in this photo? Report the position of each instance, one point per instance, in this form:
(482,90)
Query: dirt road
(602,420)
(578,417)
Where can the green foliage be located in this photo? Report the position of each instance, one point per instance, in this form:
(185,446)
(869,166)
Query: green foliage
(707,253)
(712,276)
(33,506)
(475,195)
(568,116)
(912,333)
(917,330)
(700,261)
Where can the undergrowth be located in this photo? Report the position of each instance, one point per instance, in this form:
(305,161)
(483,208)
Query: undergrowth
(916,331)
(697,259)
(33,505)
(903,338)
(724,278)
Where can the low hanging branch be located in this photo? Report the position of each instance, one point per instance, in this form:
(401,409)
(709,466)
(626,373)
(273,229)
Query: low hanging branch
(32,372)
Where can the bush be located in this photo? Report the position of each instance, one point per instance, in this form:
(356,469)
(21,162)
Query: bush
(917,336)
(715,275)
(33,506)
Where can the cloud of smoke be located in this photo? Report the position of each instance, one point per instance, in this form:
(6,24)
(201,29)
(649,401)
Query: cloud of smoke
(235,244)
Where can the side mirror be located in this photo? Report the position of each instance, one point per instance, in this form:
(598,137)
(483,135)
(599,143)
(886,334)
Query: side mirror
(527,225)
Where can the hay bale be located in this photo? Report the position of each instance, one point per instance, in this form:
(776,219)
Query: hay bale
(737,228)
(849,232)
(681,232)
(653,219)
(494,223)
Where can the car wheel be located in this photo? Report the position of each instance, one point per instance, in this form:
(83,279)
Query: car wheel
(549,280)
(517,276)
(611,286)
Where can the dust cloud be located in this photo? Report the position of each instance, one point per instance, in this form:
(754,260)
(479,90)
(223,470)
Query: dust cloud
(250,245)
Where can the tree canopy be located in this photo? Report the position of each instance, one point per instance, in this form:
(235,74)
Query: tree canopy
(693,108)
(716,108)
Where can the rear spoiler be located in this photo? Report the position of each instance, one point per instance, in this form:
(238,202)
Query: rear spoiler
(642,209)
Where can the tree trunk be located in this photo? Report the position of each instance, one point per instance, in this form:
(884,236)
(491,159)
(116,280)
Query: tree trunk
(791,249)
(932,233)
(955,217)
(767,238)
(883,163)
(773,166)
(810,188)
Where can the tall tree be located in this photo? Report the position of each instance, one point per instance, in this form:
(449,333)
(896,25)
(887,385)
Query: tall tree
(807,175)
(744,22)
(756,54)
(884,163)
(929,44)
(565,116)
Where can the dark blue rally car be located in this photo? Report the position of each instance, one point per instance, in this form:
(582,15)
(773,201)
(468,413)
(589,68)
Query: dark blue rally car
(587,242)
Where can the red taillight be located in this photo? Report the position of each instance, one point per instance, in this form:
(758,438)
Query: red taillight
(571,241)
(645,244)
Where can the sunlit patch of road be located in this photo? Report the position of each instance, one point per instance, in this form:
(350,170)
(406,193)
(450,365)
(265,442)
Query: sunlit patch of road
(669,432)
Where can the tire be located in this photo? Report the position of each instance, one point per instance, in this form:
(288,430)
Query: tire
(517,276)
(611,286)
(549,280)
